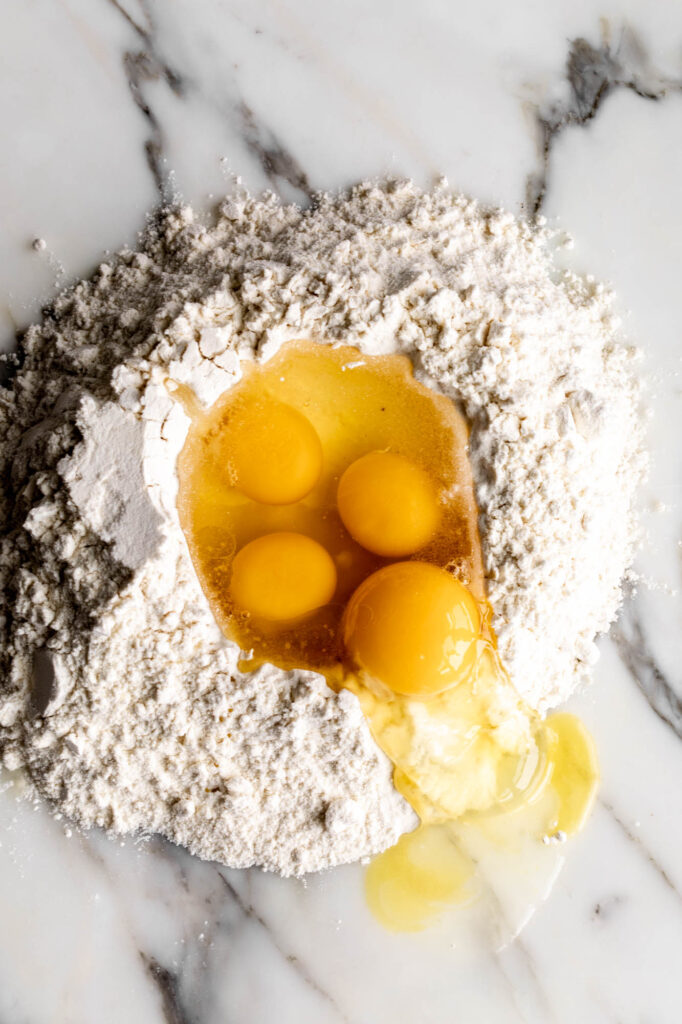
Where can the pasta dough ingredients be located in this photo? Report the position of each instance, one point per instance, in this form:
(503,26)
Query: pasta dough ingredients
(414,627)
(393,464)
(119,695)
(282,576)
(275,456)
(388,504)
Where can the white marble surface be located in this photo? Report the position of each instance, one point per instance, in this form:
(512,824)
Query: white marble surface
(109,103)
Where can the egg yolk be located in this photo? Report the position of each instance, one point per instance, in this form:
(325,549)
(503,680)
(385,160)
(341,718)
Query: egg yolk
(245,453)
(275,454)
(388,504)
(414,627)
(282,576)
(291,549)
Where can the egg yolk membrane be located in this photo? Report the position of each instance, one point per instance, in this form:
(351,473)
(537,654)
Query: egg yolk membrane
(388,504)
(275,455)
(328,505)
(413,627)
(346,450)
(282,576)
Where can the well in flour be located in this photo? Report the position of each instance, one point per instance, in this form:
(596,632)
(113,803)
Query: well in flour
(144,722)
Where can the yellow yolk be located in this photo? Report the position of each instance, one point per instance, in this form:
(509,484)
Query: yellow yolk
(274,453)
(295,489)
(413,627)
(237,462)
(388,504)
(282,576)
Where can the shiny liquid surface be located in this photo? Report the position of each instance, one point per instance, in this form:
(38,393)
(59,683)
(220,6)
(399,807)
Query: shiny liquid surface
(430,871)
(356,405)
(328,505)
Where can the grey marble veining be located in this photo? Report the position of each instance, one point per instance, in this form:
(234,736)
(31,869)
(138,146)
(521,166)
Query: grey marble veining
(593,72)
(111,106)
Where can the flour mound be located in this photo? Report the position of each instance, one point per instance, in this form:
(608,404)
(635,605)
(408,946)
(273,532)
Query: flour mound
(119,696)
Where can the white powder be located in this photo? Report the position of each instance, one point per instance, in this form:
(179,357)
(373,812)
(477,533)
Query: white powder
(118,694)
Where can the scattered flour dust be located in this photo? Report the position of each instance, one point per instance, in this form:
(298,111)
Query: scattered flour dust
(118,694)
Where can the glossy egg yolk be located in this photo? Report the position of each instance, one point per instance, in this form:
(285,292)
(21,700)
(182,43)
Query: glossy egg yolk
(275,454)
(258,448)
(388,504)
(282,576)
(291,548)
(414,627)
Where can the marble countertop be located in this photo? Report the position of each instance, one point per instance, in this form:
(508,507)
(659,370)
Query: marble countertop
(571,109)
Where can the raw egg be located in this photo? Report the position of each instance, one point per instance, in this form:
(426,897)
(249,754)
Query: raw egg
(282,576)
(414,627)
(274,452)
(388,504)
(345,449)
(301,493)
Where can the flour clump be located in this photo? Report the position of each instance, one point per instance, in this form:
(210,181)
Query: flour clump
(119,695)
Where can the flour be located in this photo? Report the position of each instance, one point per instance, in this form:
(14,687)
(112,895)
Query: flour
(118,694)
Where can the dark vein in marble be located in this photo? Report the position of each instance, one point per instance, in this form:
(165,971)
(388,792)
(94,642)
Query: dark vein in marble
(277,162)
(141,67)
(643,849)
(168,986)
(143,33)
(250,912)
(636,655)
(593,73)
(605,908)
(147,65)
(167,982)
